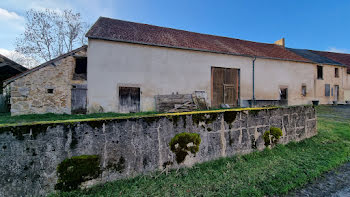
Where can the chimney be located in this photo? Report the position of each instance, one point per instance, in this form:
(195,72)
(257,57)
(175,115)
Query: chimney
(281,42)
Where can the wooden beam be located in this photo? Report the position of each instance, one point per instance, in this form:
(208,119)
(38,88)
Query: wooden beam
(4,64)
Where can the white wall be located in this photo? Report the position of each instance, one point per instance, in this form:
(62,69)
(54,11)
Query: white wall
(159,70)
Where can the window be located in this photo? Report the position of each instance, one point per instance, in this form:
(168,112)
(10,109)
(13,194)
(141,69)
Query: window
(303,90)
(336,72)
(319,72)
(327,89)
(50,91)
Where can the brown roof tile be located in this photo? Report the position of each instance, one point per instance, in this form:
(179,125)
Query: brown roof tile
(124,31)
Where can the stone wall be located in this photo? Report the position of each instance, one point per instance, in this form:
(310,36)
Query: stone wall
(29,94)
(30,154)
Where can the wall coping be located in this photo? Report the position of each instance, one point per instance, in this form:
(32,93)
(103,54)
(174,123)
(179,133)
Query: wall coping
(140,116)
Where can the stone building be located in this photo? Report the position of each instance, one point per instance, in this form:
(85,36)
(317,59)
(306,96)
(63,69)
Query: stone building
(56,86)
(130,64)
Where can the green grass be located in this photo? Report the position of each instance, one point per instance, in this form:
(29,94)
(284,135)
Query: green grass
(8,119)
(270,172)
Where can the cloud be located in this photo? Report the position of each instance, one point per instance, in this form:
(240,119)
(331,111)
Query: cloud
(25,61)
(6,15)
(337,50)
(12,20)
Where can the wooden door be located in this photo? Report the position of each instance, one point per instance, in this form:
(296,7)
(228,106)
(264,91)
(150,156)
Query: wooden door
(79,99)
(129,99)
(225,86)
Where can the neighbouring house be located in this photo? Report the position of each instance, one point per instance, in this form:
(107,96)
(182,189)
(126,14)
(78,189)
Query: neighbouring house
(329,76)
(8,68)
(56,86)
(342,58)
(131,64)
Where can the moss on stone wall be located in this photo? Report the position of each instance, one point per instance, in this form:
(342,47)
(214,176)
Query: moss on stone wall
(183,143)
(75,170)
(207,118)
(253,112)
(272,136)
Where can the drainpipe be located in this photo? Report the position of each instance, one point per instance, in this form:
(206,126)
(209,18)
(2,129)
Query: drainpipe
(253,99)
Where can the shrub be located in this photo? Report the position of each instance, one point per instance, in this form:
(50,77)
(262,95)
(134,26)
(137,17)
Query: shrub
(272,136)
(183,143)
(75,170)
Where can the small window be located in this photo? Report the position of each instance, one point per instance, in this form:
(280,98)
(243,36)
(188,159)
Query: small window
(303,90)
(319,72)
(50,91)
(336,72)
(327,90)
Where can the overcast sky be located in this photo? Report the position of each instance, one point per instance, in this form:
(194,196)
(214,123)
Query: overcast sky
(319,24)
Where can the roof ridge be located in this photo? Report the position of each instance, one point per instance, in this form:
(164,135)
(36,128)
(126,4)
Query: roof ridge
(9,80)
(188,31)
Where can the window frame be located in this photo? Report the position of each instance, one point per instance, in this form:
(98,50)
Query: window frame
(336,72)
(318,72)
(303,92)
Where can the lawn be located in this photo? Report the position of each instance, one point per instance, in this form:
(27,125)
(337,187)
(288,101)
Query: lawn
(270,172)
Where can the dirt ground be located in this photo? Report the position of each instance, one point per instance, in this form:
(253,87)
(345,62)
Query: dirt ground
(335,183)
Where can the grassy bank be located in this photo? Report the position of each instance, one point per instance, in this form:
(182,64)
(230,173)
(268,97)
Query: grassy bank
(270,172)
(8,119)
(30,119)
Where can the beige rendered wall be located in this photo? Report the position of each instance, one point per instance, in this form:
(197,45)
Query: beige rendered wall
(329,78)
(160,70)
(29,93)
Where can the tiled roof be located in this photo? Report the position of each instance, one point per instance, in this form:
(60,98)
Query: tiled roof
(124,31)
(314,57)
(7,81)
(339,57)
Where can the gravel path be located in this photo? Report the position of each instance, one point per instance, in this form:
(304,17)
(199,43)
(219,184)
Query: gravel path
(335,183)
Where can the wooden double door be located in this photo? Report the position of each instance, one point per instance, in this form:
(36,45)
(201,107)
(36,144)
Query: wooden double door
(225,86)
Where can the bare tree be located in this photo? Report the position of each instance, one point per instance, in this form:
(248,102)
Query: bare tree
(25,61)
(49,34)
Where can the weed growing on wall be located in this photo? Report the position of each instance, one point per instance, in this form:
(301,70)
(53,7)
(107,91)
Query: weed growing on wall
(183,143)
(75,170)
(272,136)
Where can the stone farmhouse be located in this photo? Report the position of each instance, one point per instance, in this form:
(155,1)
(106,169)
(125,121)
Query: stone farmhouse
(57,86)
(129,64)
(132,67)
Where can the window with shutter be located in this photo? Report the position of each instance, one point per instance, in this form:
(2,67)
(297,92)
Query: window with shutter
(327,89)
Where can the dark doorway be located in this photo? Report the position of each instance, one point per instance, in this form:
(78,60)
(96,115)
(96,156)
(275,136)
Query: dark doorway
(79,99)
(129,99)
(225,86)
(284,96)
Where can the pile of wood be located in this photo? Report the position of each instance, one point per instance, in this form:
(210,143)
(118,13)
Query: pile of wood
(181,102)
(185,107)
